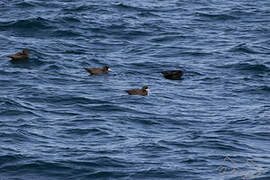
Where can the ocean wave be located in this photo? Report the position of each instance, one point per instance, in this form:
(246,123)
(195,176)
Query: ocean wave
(256,68)
(25,4)
(52,67)
(242,48)
(216,17)
(249,49)
(167,38)
(162,173)
(57,122)
(31,24)
(264,88)
(72,99)
(109,108)
(98,162)
(69,19)
(15,137)
(148,14)
(14,114)
(33,168)
(65,33)
(11,158)
(128,7)
(255,89)
(73,8)
(77,8)
(14,104)
(82,132)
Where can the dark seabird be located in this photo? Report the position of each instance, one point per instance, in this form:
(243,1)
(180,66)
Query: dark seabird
(143,91)
(20,55)
(174,75)
(93,71)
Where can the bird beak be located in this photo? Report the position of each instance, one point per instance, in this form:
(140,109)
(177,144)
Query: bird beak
(109,69)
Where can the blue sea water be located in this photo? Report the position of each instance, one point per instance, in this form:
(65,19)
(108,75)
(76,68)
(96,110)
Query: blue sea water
(57,122)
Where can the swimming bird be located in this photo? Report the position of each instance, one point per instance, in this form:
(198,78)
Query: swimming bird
(174,75)
(143,91)
(93,71)
(20,55)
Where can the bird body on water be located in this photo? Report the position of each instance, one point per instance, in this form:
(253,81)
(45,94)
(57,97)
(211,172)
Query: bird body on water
(143,91)
(20,55)
(174,75)
(93,71)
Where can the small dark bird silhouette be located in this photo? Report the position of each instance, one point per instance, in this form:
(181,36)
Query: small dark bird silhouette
(93,71)
(20,55)
(174,75)
(143,91)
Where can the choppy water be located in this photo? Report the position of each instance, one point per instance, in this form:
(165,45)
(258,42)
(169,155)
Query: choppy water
(57,122)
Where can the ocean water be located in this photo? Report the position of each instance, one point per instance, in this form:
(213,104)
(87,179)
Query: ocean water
(57,122)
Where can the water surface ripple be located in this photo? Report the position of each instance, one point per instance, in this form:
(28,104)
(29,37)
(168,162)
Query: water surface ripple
(56,122)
